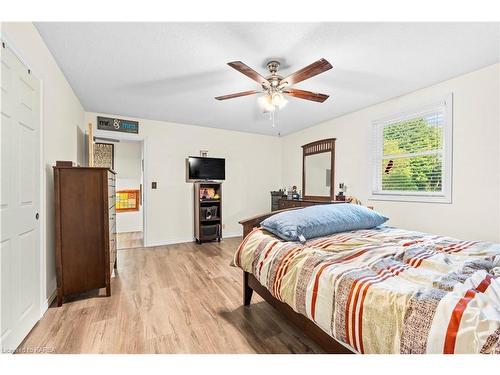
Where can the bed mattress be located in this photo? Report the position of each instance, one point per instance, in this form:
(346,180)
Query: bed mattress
(386,290)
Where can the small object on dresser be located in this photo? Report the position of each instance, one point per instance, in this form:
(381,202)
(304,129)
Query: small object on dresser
(342,189)
(291,191)
(275,197)
(65,163)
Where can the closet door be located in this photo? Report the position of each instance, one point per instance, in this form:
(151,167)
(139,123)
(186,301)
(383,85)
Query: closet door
(19,201)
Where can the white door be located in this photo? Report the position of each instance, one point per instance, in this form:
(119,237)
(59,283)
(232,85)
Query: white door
(19,200)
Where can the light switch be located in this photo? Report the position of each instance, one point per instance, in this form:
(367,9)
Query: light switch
(153,185)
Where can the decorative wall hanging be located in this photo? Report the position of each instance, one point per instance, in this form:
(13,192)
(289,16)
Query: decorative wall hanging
(104,155)
(117,125)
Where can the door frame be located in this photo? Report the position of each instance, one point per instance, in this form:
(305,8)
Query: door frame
(145,191)
(44,302)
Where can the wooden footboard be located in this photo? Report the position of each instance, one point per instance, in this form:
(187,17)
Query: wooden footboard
(304,324)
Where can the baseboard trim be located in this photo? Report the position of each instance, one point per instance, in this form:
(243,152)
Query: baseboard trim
(169,242)
(231,235)
(48,302)
(184,240)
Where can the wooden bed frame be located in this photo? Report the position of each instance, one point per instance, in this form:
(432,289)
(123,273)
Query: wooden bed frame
(304,324)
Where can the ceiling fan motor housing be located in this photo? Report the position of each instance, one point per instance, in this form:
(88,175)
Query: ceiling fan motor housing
(274,79)
(273,66)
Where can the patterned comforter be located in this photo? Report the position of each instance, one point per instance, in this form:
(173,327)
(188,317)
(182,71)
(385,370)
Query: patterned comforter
(386,290)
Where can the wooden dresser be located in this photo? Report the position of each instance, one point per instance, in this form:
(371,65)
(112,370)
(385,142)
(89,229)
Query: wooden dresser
(284,203)
(85,229)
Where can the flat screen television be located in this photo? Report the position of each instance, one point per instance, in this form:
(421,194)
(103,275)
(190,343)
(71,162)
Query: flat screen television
(200,168)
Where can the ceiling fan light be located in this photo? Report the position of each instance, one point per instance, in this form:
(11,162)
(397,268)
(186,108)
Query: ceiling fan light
(266,103)
(278,100)
(283,102)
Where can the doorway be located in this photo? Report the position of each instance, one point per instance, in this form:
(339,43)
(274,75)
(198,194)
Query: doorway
(128,165)
(127,160)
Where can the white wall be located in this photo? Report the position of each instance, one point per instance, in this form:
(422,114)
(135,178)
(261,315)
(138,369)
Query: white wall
(62,121)
(475,209)
(128,156)
(253,165)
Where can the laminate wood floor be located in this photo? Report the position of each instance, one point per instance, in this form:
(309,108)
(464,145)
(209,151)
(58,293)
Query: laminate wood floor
(182,298)
(129,240)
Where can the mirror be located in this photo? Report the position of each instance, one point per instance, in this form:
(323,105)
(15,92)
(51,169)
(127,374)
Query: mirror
(318,174)
(318,170)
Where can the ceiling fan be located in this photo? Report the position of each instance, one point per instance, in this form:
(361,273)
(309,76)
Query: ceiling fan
(276,87)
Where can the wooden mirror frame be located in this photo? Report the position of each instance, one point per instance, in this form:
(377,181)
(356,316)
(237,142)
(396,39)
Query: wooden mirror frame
(318,147)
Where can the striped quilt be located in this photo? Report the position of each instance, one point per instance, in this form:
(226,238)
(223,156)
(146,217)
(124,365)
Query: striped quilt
(386,290)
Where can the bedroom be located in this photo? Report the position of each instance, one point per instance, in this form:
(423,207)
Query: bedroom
(378,142)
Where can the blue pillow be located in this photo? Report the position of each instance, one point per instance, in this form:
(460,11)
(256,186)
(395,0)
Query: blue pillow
(321,220)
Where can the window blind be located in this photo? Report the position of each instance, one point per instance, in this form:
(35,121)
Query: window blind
(409,153)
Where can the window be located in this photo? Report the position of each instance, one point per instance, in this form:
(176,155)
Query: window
(412,155)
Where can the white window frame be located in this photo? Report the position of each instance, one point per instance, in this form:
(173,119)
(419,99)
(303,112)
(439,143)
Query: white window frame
(445,196)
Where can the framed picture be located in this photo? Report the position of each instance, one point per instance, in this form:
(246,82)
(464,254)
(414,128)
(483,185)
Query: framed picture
(104,155)
(127,200)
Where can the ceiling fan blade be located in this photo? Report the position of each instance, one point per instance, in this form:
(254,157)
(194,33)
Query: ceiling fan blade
(309,71)
(249,72)
(307,95)
(235,95)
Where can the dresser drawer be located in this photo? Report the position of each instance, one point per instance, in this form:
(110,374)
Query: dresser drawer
(112,263)
(307,204)
(112,223)
(289,203)
(112,251)
(111,201)
(112,244)
(112,227)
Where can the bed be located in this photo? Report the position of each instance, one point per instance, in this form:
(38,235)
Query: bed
(380,290)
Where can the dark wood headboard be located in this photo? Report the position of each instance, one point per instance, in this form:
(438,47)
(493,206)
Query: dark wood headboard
(253,222)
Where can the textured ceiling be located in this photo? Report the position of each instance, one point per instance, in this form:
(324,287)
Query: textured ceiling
(173,71)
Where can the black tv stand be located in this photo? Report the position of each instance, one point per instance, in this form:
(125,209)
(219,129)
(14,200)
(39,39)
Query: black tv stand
(207,211)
